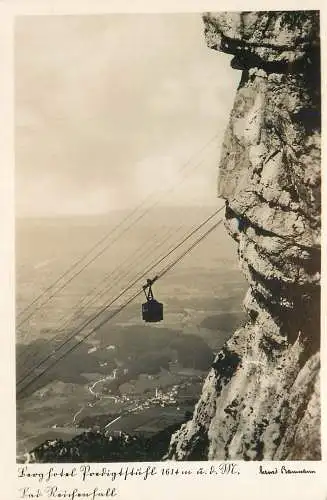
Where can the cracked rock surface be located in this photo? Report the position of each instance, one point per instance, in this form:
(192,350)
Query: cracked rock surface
(261,398)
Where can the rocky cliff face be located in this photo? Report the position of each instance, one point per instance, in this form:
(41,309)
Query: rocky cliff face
(261,397)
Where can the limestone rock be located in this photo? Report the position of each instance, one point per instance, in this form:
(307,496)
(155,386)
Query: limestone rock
(261,397)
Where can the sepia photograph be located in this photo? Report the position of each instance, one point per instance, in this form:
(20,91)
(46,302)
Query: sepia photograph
(167,236)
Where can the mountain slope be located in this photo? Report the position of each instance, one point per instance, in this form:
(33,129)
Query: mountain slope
(261,397)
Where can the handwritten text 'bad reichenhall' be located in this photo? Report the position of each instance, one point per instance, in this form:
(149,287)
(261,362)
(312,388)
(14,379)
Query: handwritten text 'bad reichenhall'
(86,473)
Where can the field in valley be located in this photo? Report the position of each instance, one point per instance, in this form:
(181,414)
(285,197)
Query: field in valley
(144,375)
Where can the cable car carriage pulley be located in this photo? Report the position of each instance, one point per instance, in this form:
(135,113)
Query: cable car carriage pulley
(152,310)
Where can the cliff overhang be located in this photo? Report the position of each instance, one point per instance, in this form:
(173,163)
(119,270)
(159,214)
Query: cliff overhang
(261,397)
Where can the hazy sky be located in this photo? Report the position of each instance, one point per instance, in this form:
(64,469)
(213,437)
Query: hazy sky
(108,108)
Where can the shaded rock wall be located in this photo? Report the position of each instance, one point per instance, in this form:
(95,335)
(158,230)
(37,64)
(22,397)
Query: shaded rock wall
(261,397)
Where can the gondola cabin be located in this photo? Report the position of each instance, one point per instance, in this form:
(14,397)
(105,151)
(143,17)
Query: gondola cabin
(152,310)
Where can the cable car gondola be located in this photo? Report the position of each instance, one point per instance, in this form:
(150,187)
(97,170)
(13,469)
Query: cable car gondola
(152,310)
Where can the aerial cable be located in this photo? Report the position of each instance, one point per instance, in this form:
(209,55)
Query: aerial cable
(81,305)
(90,299)
(126,289)
(118,277)
(188,250)
(99,294)
(87,264)
(107,276)
(81,259)
(120,308)
(129,286)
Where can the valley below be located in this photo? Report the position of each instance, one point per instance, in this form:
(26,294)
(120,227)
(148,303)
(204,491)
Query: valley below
(129,377)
